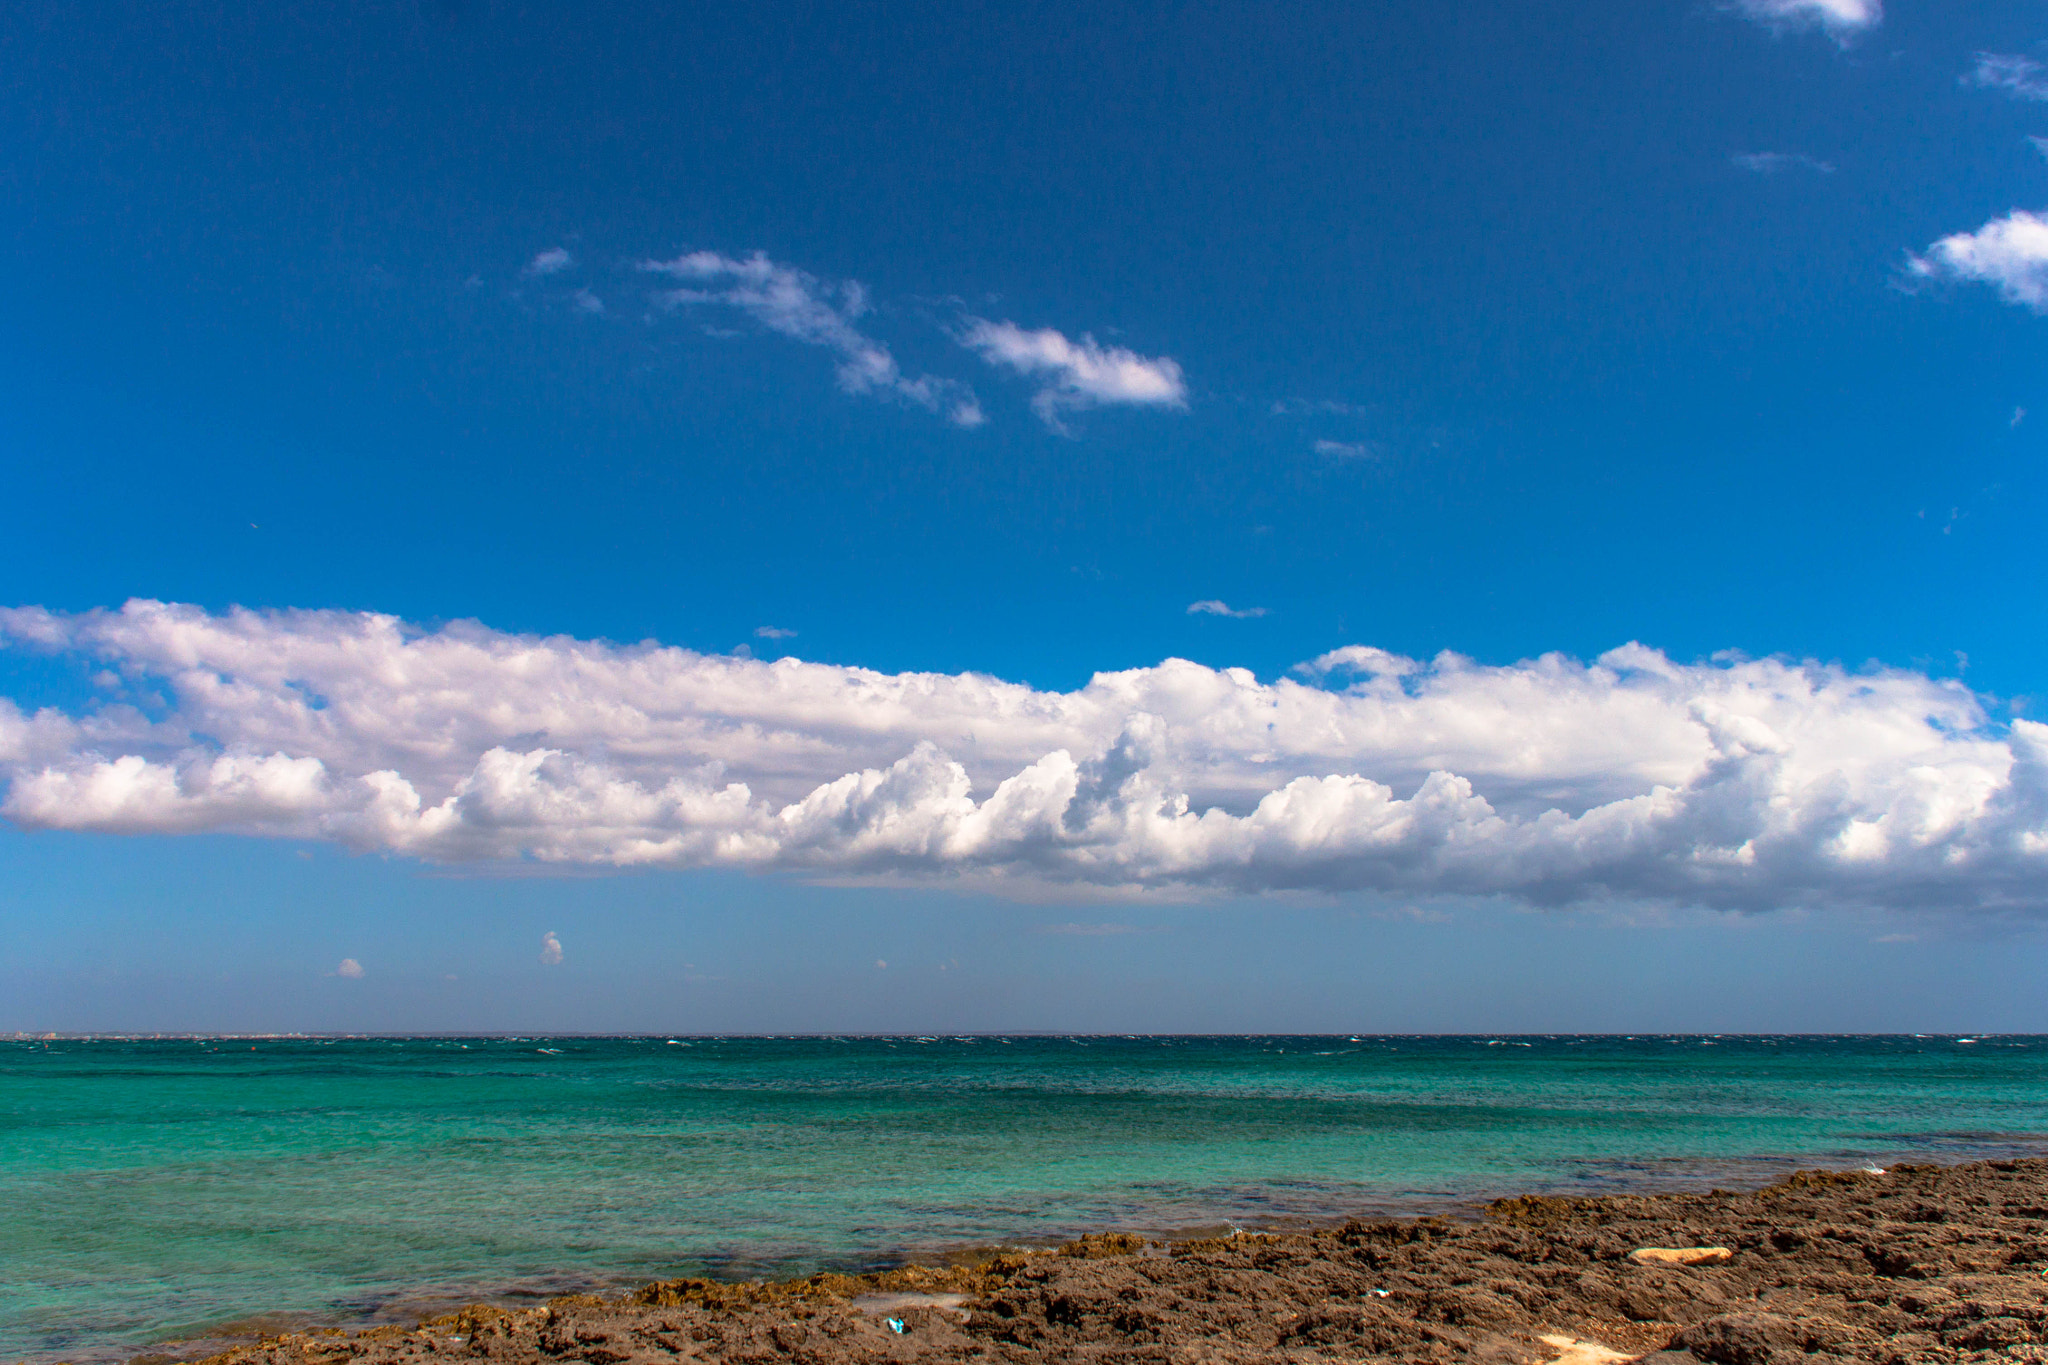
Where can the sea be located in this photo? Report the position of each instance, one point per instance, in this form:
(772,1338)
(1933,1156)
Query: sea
(162,1195)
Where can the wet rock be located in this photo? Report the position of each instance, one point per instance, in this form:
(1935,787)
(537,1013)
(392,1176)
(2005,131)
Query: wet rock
(1741,1339)
(1922,1266)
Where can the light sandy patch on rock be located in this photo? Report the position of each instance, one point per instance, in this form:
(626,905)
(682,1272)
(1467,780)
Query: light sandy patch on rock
(1681,1255)
(1577,1351)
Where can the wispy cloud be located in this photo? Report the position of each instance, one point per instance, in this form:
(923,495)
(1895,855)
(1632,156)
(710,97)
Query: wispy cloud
(804,308)
(553,261)
(1343,450)
(587,302)
(1770,163)
(1745,784)
(2023,78)
(1080,373)
(2009,253)
(1213,607)
(1095,930)
(773,633)
(1314,407)
(1840,18)
(550,950)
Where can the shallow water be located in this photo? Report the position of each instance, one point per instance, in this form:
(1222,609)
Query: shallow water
(158,1189)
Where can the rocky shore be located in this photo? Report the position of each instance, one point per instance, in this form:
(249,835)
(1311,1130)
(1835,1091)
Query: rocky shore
(1917,1264)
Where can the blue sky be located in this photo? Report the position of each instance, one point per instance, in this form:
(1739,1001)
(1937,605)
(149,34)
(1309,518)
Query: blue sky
(997,343)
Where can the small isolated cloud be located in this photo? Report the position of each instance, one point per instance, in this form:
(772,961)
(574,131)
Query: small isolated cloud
(2010,254)
(349,968)
(1897,938)
(804,308)
(587,302)
(550,950)
(773,633)
(1314,407)
(1213,607)
(1770,163)
(1078,374)
(2039,144)
(2022,78)
(1413,914)
(1094,930)
(553,261)
(1840,18)
(1344,450)
(881,965)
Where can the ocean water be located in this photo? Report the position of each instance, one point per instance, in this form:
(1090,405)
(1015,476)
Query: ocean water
(174,1189)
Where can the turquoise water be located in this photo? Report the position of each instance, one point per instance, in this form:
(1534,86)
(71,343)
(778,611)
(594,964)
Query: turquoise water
(158,1189)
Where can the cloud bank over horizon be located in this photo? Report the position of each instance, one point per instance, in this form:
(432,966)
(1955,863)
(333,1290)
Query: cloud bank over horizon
(1735,783)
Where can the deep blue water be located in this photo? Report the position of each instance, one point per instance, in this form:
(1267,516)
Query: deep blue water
(156,1189)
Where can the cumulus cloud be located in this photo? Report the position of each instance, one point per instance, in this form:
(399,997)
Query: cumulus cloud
(2023,78)
(1770,163)
(553,261)
(804,308)
(1840,18)
(349,968)
(2009,253)
(1078,374)
(1214,607)
(550,950)
(1743,784)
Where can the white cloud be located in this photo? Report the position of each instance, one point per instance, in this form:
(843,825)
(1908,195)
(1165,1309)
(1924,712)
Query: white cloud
(1770,163)
(553,261)
(349,968)
(805,308)
(773,633)
(1213,607)
(2023,78)
(587,302)
(1078,373)
(1343,450)
(1358,659)
(550,950)
(1840,18)
(1745,784)
(2009,253)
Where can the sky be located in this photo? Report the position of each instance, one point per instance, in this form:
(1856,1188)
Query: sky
(1225,517)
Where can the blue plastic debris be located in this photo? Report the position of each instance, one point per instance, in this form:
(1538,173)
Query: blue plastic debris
(895,1325)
